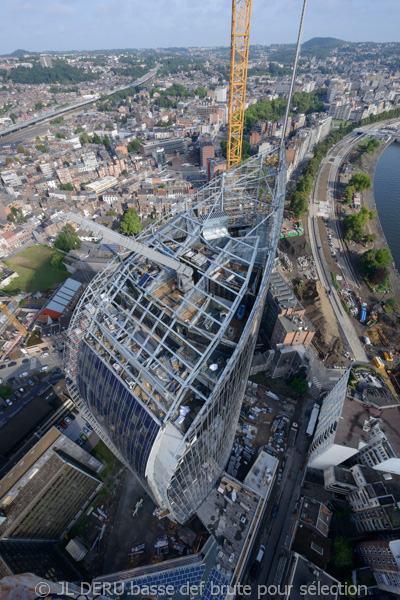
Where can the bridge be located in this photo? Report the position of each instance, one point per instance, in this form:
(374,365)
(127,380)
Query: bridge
(52,114)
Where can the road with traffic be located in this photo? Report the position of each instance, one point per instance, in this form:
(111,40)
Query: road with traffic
(334,158)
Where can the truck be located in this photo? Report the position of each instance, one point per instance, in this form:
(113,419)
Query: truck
(313,420)
(293,434)
(363,315)
(378,362)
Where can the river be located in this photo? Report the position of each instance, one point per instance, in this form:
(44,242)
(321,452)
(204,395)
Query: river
(387,197)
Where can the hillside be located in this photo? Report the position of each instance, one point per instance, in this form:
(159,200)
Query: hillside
(328,42)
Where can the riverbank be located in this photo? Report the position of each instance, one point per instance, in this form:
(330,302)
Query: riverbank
(369,167)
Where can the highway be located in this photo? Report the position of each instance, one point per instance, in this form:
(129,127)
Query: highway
(51,114)
(323,270)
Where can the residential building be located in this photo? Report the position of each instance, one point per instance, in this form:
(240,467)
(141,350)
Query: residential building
(283,319)
(383,558)
(374,504)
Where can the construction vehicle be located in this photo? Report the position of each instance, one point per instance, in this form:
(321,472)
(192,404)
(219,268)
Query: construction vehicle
(388,357)
(240,36)
(378,362)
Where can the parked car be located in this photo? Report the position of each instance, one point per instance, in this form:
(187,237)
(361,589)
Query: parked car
(86,430)
(25,360)
(9,402)
(67,420)
(21,390)
(64,425)
(3,366)
(83,437)
(45,354)
(31,382)
(274,511)
(18,394)
(1,380)
(60,429)
(13,397)
(12,363)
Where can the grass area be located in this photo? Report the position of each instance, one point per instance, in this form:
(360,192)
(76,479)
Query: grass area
(277,386)
(112,464)
(345,306)
(34,270)
(5,391)
(34,339)
(335,282)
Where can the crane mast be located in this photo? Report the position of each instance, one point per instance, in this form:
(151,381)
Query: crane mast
(240,35)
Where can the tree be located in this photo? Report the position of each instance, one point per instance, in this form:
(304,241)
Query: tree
(84,138)
(106,142)
(391,305)
(361,182)
(372,259)
(224,145)
(112,213)
(355,223)
(13,117)
(124,172)
(299,386)
(20,149)
(133,146)
(67,187)
(39,105)
(57,261)
(201,92)
(378,276)
(9,160)
(42,148)
(79,129)
(349,194)
(130,223)
(67,240)
(96,139)
(298,203)
(341,552)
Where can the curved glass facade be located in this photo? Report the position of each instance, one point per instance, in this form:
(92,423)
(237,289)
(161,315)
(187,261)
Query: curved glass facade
(159,367)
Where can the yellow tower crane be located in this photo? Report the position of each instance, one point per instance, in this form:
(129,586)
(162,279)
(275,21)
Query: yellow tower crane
(13,319)
(240,36)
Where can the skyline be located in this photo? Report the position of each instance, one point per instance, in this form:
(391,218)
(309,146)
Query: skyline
(67,25)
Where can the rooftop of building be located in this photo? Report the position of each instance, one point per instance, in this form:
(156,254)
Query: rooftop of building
(304,574)
(228,513)
(368,387)
(260,478)
(312,546)
(282,293)
(316,515)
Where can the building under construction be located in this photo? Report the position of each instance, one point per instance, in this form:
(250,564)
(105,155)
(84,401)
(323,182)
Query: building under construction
(161,343)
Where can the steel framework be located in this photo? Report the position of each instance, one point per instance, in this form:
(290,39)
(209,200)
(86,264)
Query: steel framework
(159,373)
(240,35)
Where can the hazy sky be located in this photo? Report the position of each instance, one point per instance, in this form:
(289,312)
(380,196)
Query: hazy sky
(94,24)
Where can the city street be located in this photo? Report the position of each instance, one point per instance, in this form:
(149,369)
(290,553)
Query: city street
(275,532)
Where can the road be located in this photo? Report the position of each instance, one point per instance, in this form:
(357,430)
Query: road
(323,270)
(10,371)
(78,106)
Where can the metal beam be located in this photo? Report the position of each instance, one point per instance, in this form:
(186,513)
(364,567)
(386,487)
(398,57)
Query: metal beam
(130,244)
